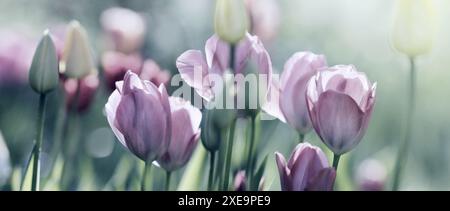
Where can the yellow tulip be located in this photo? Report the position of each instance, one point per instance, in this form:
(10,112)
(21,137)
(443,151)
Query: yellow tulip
(231,20)
(77,61)
(414,26)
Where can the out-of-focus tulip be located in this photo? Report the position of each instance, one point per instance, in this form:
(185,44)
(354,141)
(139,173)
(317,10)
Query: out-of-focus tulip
(340,102)
(264,18)
(231,20)
(124,29)
(43,75)
(414,26)
(5,163)
(16,54)
(77,60)
(116,64)
(240,181)
(88,87)
(185,134)
(139,115)
(371,175)
(152,72)
(307,170)
(298,70)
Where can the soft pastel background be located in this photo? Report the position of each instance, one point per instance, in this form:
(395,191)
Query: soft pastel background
(346,31)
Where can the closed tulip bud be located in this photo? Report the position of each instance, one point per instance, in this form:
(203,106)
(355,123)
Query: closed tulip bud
(139,115)
(414,26)
(307,170)
(231,20)
(88,87)
(77,61)
(185,134)
(240,181)
(43,76)
(298,70)
(340,101)
(210,135)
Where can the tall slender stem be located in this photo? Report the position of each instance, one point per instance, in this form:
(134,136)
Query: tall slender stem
(226,173)
(211,170)
(336,159)
(168,174)
(250,149)
(144,175)
(402,155)
(38,143)
(301,137)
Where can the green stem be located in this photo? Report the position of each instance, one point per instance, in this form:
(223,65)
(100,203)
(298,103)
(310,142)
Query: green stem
(250,149)
(402,155)
(226,173)
(38,143)
(168,174)
(211,170)
(301,138)
(336,161)
(147,166)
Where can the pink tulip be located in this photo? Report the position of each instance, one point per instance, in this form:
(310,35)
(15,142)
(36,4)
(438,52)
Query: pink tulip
(340,102)
(116,64)
(307,170)
(216,61)
(240,181)
(290,105)
(264,18)
(152,72)
(185,134)
(16,53)
(371,175)
(124,29)
(139,115)
(88,87)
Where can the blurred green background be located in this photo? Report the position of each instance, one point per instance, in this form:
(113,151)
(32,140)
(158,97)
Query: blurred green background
(346,31)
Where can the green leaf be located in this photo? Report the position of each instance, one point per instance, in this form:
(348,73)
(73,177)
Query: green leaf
(192,180)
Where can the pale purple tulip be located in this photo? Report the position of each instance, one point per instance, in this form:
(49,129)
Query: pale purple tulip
(139,115)
(196,68)
(340,102)
(116,64)
(290,105)
(307,170)
(185,134)
(124,29)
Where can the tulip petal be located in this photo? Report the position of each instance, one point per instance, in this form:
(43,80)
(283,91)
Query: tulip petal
(217,55)
(194,71)
(283,171)
(338,121)
(323,181)
(110,110)
(138,127)
(272,104)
